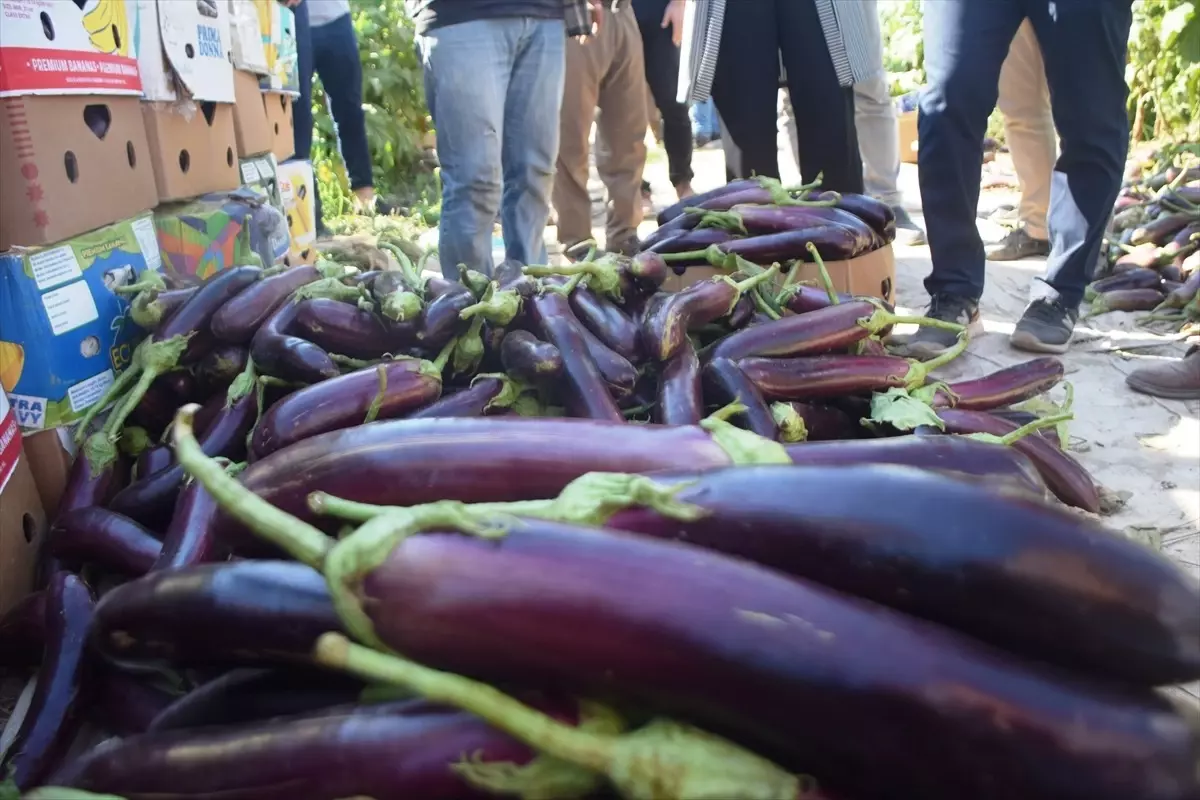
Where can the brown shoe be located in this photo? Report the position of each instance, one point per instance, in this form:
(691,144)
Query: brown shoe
(1175,380)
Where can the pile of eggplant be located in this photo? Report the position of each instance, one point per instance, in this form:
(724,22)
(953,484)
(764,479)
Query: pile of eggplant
(1155,250)
(559,534)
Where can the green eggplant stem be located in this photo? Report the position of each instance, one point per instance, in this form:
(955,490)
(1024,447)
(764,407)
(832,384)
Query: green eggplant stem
(725,220)
(124,381)
(882,318)
(377,402)
(1023,431)
(443,356)
(918,371)
(155,359)
(826,280)
(762,305)
(713,254)
(147,281)
(407,269)
(294,536)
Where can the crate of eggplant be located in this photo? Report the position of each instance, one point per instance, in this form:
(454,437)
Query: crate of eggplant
(558,534)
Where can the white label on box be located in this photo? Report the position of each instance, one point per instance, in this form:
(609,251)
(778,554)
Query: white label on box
(147,239)
(250,173)
(70,307)
(84,394)
(31,411)
(54,266)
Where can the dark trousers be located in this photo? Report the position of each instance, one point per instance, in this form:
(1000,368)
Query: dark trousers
(337,63)
(746,90)
(966,42)
(662,73)
(302,118)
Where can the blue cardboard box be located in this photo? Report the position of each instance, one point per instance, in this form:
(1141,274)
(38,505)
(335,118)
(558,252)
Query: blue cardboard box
(64,334)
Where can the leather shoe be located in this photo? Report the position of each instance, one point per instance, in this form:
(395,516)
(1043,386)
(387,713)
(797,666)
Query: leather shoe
(1174,380)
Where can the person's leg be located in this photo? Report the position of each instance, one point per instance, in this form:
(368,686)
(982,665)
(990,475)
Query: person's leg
(1024,100)
(878,138)
(531,125)
(1084,45)
(965,43)
(729,148)
(467,68)
(662,74)
(337,63)
(788,127)
(302,118)
(745,86)
(824,109)
(584,65)
(622,125)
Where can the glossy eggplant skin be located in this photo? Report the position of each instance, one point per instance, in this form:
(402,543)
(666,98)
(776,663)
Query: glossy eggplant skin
(237,613)
(474,401)
(879,216)
(680,224)
(833,243)
(529,359)
(1064,476)
(439,320)
(345,401)
(760,220)
(124,703)
(671,212)
(188,540)
(195,315)
(278,353)
(219,367)
(820,331)
(53,716)
(825,422)
(408,462)
(957,554)
(680,399)
(1004,387)
(105,538)
(788,668)
(583,385)
(348,330)
(608,322)
(821,377)
(726,382)
(802,299)
(669,317)
(992,465)
(154,459)
(383,751)
(239,319)
(87,486)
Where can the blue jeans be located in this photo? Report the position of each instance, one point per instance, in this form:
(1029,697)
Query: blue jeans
(966,41)
(494,89)
(704,120)
(337,64)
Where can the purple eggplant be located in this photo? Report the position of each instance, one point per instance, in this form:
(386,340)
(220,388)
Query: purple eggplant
(723,380)
(827,422)
(155,409)
(243,612)
(671,212)
(53,717)
(92,485)
(669,317)
(760,220)
(194,317)
(696,239)
(833,243)
(1132,279)
(977,568)
(124,703)
(1181,296)
(386,391)
(348,330)
(608,322)
(820,377)
(439,321)
(240,318)
(681,224)
(1004,387)
(801,299)
(1161,230)
(876,214)
(219,367)
(584,386)
(188,541)
(150,308)
(105,538)
(278,353)
(529,359)
(1126,300)
(487,394)
(680,399)
(820,331)
(1064,476)
(155,459)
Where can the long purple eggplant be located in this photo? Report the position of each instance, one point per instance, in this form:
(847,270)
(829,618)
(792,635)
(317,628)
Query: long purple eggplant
(681,224)
(529,359)
(188,541)
(1132,279)
(820,377)
(584,387)
(827,422)
(243,612)
(124,703)
(619,374)
(92,485)
(727,383)
(833,243)
(53,715)
(439,321)
(1004,387)
(878,215)
(821,331)
(240,318)
(759,220)
(608,322)
(383,751)
(802,299)
(697,239)
(960,555)
(680,398)
(348,330)
(669,317)
(485,395)
(1126,300)
(151,500)
(386,391)
(671,212)
(104,538)
(278,353)
(154,459)
(993,465)
(1064,476)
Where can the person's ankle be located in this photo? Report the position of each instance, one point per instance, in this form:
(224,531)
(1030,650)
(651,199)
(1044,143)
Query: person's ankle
(683,190)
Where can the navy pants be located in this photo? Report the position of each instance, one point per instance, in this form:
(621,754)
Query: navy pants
(966,41)
(302,118)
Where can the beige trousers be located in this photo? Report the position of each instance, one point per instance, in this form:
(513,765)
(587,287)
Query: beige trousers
(605,72)
(1025,103)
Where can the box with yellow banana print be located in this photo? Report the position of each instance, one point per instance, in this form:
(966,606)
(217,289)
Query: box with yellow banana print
(279,41)
(246,23)
(297,189)
(56,47)
(65,334)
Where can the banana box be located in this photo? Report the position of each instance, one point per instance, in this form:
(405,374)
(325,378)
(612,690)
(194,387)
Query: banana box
(65,334)
(22,519)
(261,173)
(279,41)
(183,50)
(282,124)
(79,47)
(297,189)
(202,237)
(246,17)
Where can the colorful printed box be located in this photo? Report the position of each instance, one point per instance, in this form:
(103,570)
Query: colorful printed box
(201,237)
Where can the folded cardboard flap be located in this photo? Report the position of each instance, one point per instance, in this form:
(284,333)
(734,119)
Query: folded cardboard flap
(251,123)
(59,154)
(183,50)
(50,454)
(194,148)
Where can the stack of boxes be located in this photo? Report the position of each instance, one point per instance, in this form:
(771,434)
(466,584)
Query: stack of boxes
(134,135)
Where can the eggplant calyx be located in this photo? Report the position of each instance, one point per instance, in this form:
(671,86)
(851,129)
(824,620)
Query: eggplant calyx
(401,306)
(790,423)
(134,441)
(603,276)
(242,385)
(329,289)
(155,358)
(468,350)
(743,447)
(510,390)
(542,778)
(593,498)
(100,452)
(498,306)
(882,319)
(740,287)
(146,311)
(476,282)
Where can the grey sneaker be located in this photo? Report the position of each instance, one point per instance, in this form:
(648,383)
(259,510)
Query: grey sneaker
(1017,245)
(1045,327)
(908,233)
(628,247)
(929,343)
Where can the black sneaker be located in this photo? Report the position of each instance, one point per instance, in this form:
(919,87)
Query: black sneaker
(929,343)
(1045,327)
(908,233)
(1017,245)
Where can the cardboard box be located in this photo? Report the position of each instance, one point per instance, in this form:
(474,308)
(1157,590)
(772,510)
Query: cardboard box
(22,520)
(183,50)
(70,165)
(201,237)
(56,47)
(908,137)
(283,129)
(50,454)
(261,174)
(247,19)
(250,122)
(279,41)
(873,274)
(193,148)
(298,191)
(64,334)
